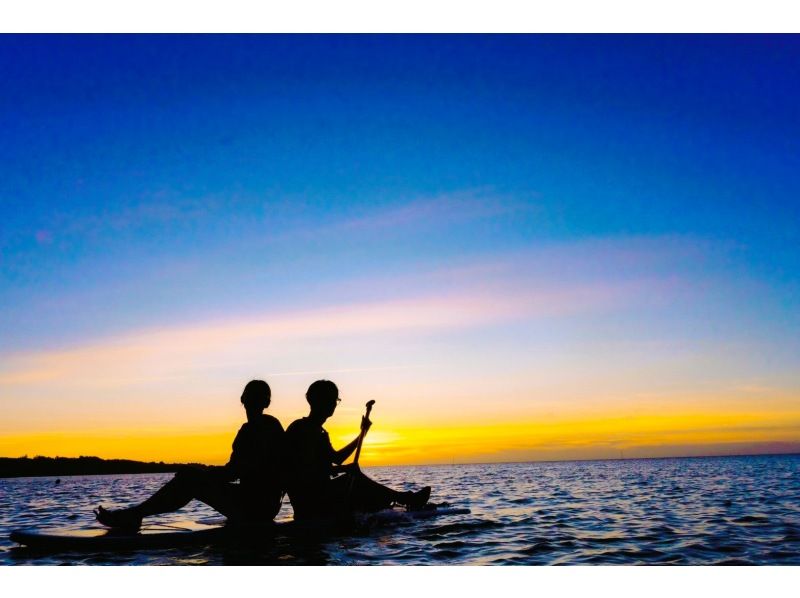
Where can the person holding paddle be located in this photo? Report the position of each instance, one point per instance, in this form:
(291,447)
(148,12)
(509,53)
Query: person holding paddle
(256,462)
(312,463)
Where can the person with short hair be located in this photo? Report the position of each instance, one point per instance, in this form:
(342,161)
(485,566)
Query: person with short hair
(256,462)
(312,462)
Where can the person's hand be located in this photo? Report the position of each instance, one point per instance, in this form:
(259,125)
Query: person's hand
(365,424)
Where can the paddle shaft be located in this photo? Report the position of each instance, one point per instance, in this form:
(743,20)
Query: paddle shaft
(363,433)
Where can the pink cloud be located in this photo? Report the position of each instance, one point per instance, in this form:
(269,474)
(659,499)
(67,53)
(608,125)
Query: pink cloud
(43,237)
(160,352)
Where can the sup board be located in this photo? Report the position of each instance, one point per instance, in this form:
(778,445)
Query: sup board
(196,534)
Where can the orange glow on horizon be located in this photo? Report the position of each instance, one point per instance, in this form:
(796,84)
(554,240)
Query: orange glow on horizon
(398,443)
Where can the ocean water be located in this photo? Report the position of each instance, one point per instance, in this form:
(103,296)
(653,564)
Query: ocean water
(695,511)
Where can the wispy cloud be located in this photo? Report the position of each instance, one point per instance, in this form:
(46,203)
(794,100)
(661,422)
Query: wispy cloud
(339,371)
(153,352)
(417,215)
(151,209)
(147,212)
(436,210)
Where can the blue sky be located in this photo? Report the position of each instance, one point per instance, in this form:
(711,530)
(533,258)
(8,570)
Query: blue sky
(148,182)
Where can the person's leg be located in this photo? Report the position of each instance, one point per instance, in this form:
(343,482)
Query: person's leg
(358,492)
(189,483)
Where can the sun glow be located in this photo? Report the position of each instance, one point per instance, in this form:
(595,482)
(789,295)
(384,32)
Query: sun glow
(401,441)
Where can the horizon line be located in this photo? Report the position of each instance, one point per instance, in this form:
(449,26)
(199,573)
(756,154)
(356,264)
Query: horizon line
(734,455)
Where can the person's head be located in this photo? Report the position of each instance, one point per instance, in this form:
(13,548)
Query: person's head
(323,396)
(256,397)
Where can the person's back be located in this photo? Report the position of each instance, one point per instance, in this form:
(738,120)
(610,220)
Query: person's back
(257,461)
(309,456)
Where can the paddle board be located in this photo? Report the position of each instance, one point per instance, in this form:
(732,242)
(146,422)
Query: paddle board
(197,533)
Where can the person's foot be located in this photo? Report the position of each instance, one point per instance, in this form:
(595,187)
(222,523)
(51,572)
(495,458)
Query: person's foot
(417,500)
(120,519)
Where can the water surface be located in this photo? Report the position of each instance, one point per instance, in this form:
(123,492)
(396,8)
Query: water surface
(696,511)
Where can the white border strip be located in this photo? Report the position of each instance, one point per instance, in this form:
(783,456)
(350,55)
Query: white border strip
(399,16)
(401,582)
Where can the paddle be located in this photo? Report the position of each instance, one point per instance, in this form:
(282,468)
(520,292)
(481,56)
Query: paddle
(358,450)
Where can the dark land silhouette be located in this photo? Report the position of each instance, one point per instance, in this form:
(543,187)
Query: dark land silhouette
(24,467)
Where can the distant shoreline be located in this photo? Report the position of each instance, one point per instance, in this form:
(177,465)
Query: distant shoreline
(25,467)
(33,467)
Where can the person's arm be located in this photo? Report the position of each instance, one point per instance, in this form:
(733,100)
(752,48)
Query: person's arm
(342,454)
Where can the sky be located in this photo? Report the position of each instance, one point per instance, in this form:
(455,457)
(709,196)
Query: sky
(521,247)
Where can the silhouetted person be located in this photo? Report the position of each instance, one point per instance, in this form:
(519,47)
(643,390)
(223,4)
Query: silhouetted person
(312,462)
(256,461)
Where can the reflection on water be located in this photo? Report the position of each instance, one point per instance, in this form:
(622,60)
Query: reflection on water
(731,510)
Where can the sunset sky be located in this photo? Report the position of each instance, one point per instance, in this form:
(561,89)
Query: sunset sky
(522,248)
